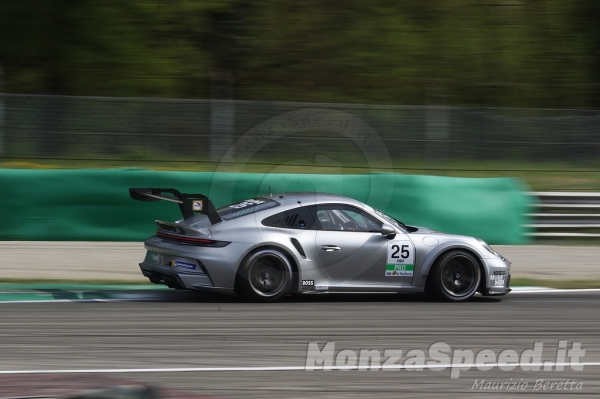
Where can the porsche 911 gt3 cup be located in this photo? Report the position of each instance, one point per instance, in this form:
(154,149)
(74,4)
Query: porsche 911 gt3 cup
(266,247)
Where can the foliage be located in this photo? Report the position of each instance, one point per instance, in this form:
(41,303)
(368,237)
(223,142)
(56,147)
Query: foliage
(485,52)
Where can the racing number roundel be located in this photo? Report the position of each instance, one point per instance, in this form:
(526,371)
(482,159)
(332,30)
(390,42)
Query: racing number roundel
(400,259)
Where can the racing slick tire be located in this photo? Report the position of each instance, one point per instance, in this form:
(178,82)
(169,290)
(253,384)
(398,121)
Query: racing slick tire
(455,276)
(264,276)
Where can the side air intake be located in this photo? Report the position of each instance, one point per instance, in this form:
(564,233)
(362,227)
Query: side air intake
(298,247)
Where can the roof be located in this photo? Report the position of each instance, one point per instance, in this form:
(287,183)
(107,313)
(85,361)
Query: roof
(308,198)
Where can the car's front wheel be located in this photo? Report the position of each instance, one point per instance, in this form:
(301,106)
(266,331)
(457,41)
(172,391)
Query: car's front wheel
(455,276)
(264,276)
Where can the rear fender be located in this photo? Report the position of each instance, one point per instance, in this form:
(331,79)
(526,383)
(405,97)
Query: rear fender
(290,252)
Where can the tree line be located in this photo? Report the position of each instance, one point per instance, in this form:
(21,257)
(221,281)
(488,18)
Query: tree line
(517,53)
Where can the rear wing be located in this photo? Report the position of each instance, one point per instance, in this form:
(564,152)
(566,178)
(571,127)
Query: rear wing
(189,204)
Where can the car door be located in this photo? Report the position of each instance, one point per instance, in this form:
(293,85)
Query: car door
(352,250)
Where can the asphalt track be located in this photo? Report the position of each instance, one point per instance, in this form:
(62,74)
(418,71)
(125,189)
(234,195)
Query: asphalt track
(198,333)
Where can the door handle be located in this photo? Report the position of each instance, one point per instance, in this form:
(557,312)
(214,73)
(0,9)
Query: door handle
(330,248)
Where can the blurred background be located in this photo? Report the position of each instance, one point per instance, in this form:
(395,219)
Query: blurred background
(457,88)
(453,87)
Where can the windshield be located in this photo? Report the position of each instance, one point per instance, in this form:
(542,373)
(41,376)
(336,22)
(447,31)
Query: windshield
(245,207)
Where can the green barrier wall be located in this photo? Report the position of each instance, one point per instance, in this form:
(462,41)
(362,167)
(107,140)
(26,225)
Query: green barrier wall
(94,205)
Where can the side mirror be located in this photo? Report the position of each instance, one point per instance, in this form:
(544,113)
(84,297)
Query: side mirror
(388,231)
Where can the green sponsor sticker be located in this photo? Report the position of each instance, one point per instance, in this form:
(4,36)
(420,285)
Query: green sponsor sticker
(399,270)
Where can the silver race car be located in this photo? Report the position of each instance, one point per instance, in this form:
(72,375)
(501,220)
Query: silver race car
(266,247)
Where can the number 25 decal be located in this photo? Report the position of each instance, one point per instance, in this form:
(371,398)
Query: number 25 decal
(402,249)
(401,253)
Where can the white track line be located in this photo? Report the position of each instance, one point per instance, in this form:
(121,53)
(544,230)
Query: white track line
(463,366)
(72,300)
(515,290)
(533,290)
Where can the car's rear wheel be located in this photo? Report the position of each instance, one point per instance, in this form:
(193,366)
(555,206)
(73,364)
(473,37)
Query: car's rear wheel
(455,276)
(265,276)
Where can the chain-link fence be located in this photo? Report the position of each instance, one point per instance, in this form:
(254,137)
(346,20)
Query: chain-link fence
(149,129)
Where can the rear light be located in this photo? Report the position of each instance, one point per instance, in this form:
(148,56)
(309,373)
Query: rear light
(187,240)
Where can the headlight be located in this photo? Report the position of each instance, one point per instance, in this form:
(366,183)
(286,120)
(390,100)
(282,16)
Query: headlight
(486,246)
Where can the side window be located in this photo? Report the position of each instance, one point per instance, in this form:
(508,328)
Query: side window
(299,218)
(344,218)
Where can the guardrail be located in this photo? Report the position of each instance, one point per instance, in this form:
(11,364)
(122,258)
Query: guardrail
(566,214)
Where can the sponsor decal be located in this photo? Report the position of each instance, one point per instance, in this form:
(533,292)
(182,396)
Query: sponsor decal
(197,206)
(399,270)
(321,287)
(400,259)
(452,238)
(308,285)
(179,263)
(499,278)
(248,202)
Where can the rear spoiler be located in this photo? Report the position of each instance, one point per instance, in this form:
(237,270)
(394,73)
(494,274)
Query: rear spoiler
(189,204)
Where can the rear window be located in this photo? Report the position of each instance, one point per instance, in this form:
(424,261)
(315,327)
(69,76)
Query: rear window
(298,218)
(245,207)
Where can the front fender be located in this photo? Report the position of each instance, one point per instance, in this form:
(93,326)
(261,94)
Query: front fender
(436,252)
